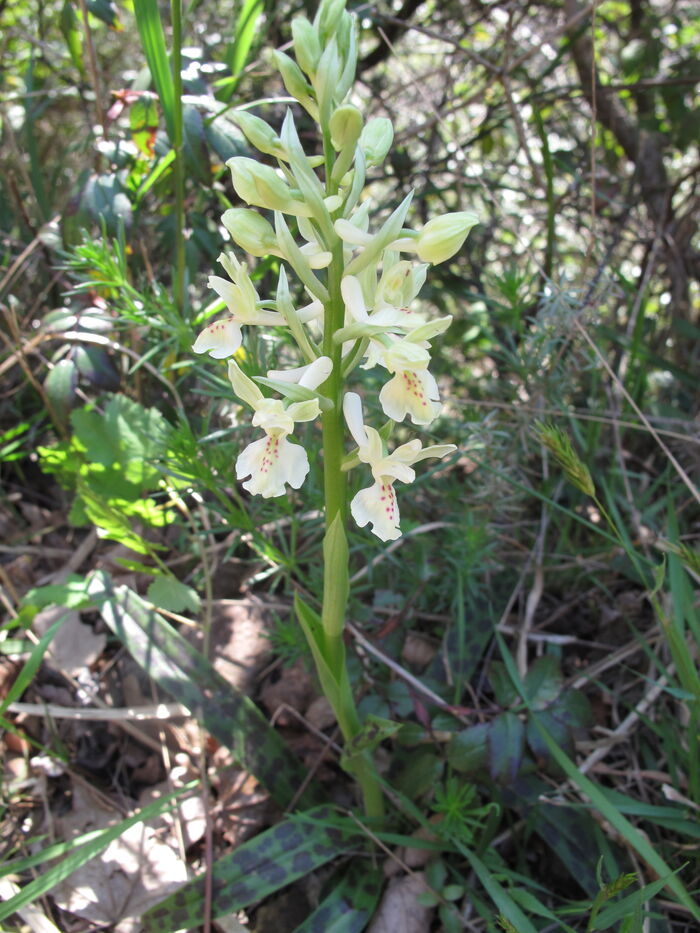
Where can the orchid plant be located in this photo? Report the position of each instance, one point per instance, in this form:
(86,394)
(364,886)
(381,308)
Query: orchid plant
(358,314)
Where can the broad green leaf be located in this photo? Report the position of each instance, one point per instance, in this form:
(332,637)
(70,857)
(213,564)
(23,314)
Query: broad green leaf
(468,750)
(543,681)
(143,121)
(112,522)
(126,434)
(505,743)
(256,869)
(104,200)
(232,718)
(501,685)
(73,594)
(350,905)
(60,385)
(173,595)
(106,11)
(558,730)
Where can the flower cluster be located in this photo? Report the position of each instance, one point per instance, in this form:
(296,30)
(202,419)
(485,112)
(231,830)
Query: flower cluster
(360,287)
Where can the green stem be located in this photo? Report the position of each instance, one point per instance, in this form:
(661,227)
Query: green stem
(336,557)
(178,164)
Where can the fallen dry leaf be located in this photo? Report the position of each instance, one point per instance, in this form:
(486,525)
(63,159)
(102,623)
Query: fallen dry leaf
(133,873)
(190,813)
(238,640)
(399,911)
(75,647)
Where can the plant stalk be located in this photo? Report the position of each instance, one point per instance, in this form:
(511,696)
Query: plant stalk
(178,164)
(336,559)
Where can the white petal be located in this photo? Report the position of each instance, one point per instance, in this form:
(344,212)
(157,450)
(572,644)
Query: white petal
(231,293)
(352,296)
(271,462)
(310,312)
(412,393)
(435,450)
(377,505)
(317,372)
(321,259)
(349,233)
(272,416)
(220,339)
(352,409)
(309,376)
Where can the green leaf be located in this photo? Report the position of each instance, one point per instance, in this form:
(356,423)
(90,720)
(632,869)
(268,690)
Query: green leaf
(173,595)
(195,149)
(468,750)
(125,434)
(558,730)
(143,121)
(150,29)
(237,51)
(373,732)
(73,594)
(632,836)
(256,869)
(543,682)
(70,30)
(106,11)
(350,905)
(294,392)
(232,718)
(506,743)
(616,912)
(336,585)
(225,139)
(498,894)
(501,684)
(60,385)
(31,666)
(112,522)
(104,200)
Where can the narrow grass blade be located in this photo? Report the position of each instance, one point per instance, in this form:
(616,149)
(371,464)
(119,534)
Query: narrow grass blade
(53,876)
(610,813)
(257,869)
(150,29)
(498,894)
(237,51)
(232,718)
(31,666)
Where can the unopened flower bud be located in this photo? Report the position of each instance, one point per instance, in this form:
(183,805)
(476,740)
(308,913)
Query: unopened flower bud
(307,48)
(443,236)
(294,80)
(261,186)
(250,231)
(376,140)
(328,17)
(346,126)
(259,133)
